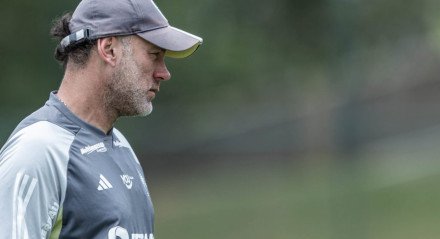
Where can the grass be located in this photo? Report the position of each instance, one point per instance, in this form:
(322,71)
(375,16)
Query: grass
(381,198)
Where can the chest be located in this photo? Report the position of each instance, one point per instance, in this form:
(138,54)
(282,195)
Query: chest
(106,189)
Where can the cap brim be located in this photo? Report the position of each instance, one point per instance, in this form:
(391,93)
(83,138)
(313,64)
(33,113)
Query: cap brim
(176,42)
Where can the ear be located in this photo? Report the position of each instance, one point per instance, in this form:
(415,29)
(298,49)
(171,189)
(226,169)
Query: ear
(107,50)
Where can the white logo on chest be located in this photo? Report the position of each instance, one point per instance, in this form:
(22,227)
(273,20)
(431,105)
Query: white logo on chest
(120,144)
(104,183)
(127,180)
(99,147)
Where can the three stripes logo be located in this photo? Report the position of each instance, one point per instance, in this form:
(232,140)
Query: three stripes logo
(23,189)
(104,183)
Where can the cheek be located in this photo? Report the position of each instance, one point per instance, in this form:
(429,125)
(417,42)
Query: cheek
(146,70)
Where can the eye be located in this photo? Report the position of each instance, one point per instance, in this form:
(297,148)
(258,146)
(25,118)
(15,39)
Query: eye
(154,54)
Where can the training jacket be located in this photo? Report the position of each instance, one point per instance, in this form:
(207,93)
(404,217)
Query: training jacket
(63,178)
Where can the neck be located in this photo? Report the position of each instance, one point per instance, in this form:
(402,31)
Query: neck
(82,91)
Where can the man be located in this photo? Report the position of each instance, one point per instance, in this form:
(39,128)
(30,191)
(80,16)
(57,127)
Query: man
(65,172)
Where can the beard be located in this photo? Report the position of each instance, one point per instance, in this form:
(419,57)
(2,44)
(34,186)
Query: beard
(124,93)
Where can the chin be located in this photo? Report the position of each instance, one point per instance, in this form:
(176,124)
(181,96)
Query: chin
(137,110)
(146,109)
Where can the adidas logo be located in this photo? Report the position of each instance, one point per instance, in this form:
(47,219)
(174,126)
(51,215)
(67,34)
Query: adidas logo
(104,183)
(99,147)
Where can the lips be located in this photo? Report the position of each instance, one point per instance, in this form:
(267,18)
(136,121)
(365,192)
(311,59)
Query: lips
(152,92)
(154,88)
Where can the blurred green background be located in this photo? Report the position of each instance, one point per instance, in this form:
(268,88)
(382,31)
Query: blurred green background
(295,119)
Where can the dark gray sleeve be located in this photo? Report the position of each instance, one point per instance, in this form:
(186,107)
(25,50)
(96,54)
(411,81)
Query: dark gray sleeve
(33,166)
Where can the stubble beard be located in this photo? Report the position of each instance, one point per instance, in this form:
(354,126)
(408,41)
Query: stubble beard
(123,93)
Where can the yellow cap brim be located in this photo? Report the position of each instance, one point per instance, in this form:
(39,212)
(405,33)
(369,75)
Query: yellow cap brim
(182,54)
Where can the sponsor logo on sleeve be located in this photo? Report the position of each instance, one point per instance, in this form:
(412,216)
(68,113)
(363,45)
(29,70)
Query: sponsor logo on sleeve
(52,213)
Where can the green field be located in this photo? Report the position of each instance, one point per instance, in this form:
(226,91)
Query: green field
(380,198)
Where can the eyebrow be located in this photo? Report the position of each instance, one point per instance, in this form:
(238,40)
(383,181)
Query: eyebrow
(154,47)
(161,49)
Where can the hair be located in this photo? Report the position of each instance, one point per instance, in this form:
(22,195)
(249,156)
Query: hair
(77,53)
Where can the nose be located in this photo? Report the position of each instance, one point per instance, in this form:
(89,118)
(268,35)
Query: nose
(162,72)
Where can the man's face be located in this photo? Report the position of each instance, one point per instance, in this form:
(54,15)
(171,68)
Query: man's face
(136,77)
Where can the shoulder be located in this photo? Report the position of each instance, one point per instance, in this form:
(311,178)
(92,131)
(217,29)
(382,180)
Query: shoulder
(119,135)
(120,138)
(122,142)
(37,144)
(41,134)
